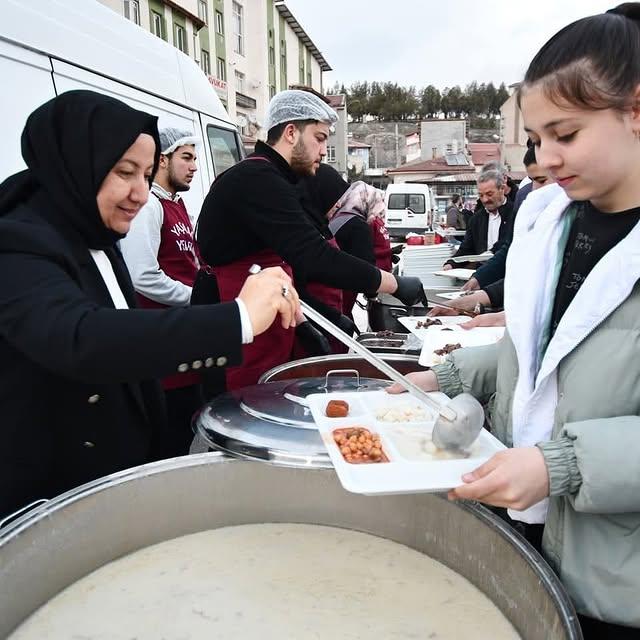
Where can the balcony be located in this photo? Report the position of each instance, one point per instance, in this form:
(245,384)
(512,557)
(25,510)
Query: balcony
(246,102)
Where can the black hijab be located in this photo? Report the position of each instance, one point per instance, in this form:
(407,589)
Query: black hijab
(70,144)
(319,192)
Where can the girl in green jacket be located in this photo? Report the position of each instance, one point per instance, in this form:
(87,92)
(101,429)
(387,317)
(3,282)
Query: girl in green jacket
(565,379)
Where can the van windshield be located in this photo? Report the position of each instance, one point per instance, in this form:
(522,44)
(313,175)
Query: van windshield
(413,201)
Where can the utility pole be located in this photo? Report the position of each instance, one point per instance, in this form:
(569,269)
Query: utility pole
(375,148)
(397,150)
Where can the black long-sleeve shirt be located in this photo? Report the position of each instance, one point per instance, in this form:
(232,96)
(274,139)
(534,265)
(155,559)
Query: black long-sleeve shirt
(253,206)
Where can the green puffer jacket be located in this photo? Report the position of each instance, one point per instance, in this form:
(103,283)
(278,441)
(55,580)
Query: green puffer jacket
(592,530)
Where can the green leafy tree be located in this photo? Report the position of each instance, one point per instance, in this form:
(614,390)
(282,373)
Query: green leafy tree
(455,101)
(376,100)
(502,95)
(430,102)
(358,100)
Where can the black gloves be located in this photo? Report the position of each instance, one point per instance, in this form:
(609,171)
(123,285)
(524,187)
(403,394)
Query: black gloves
(347,325)
(397,249)
(410,291)
(312,340)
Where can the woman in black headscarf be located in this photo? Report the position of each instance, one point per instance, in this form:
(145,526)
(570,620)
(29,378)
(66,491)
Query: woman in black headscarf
(78,398)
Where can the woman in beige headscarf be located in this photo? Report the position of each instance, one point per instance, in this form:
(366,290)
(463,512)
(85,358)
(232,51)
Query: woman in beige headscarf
(357,222)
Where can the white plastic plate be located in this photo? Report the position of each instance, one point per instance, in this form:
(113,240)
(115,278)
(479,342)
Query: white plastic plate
(453,295)
(411,323)
(437,339)
(410,469)
(480,257)
(460,274)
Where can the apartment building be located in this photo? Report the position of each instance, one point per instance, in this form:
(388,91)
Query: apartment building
(249,49)
(513,137)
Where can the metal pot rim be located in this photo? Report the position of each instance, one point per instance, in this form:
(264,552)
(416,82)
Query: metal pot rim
(267,375)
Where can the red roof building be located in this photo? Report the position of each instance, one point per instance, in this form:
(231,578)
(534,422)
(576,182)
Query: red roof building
(483,152)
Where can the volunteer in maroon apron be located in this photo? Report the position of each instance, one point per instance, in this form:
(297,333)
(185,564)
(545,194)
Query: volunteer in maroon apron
(253,213)
(162,258)
(318,195)
(357,222)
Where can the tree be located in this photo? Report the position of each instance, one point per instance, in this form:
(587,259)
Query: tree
(430,102)
(502,95)
(492,98)
(389,101)
(358,100)
(376,100)
(455,101)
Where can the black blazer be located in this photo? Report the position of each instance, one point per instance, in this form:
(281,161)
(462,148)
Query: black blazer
(475,239)
(78,392)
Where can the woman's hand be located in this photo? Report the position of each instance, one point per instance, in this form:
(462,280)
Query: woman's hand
(443,311)
(514,479)
(471,285)
(486,320)
(426,380)
(264,296)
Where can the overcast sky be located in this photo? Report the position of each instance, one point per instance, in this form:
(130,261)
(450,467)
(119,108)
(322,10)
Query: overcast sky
(439,42)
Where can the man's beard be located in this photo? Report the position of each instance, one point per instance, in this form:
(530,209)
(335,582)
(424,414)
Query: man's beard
(301,163)
(175,184)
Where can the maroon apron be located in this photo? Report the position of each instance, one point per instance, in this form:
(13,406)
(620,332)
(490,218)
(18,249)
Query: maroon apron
(331,297)
(178,257)
(269,349)
(381,244)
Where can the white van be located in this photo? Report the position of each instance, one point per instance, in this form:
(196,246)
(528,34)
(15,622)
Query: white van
(410,207)
(48,47)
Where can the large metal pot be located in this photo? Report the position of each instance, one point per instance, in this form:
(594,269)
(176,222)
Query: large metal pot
(319,366)
(47,550)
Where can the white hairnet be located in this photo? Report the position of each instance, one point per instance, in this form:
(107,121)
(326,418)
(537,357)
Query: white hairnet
(171,139)
(293,105)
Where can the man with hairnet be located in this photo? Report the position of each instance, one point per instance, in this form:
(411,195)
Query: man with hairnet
(253,215)
(162,258)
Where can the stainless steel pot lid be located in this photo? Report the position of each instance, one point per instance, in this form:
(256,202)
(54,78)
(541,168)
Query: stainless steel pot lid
(270,421)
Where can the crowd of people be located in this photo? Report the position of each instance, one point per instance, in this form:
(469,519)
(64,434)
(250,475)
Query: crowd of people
(115,313)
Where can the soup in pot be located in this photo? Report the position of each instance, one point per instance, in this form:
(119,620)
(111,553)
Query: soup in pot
(270,581)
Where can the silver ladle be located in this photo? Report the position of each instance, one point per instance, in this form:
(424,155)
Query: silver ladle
(459,421)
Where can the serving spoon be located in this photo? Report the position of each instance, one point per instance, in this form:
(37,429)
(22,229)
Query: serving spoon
(459,421)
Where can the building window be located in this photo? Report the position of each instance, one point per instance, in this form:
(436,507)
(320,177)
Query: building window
(205,62)
(157,25)
(221,69)
(331,154)
(238,28)
(272,55)
(242,123)
(180,38)
(132,10)
(239,82)
(309,79)
(272,91)
(203,11)
(219,23)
